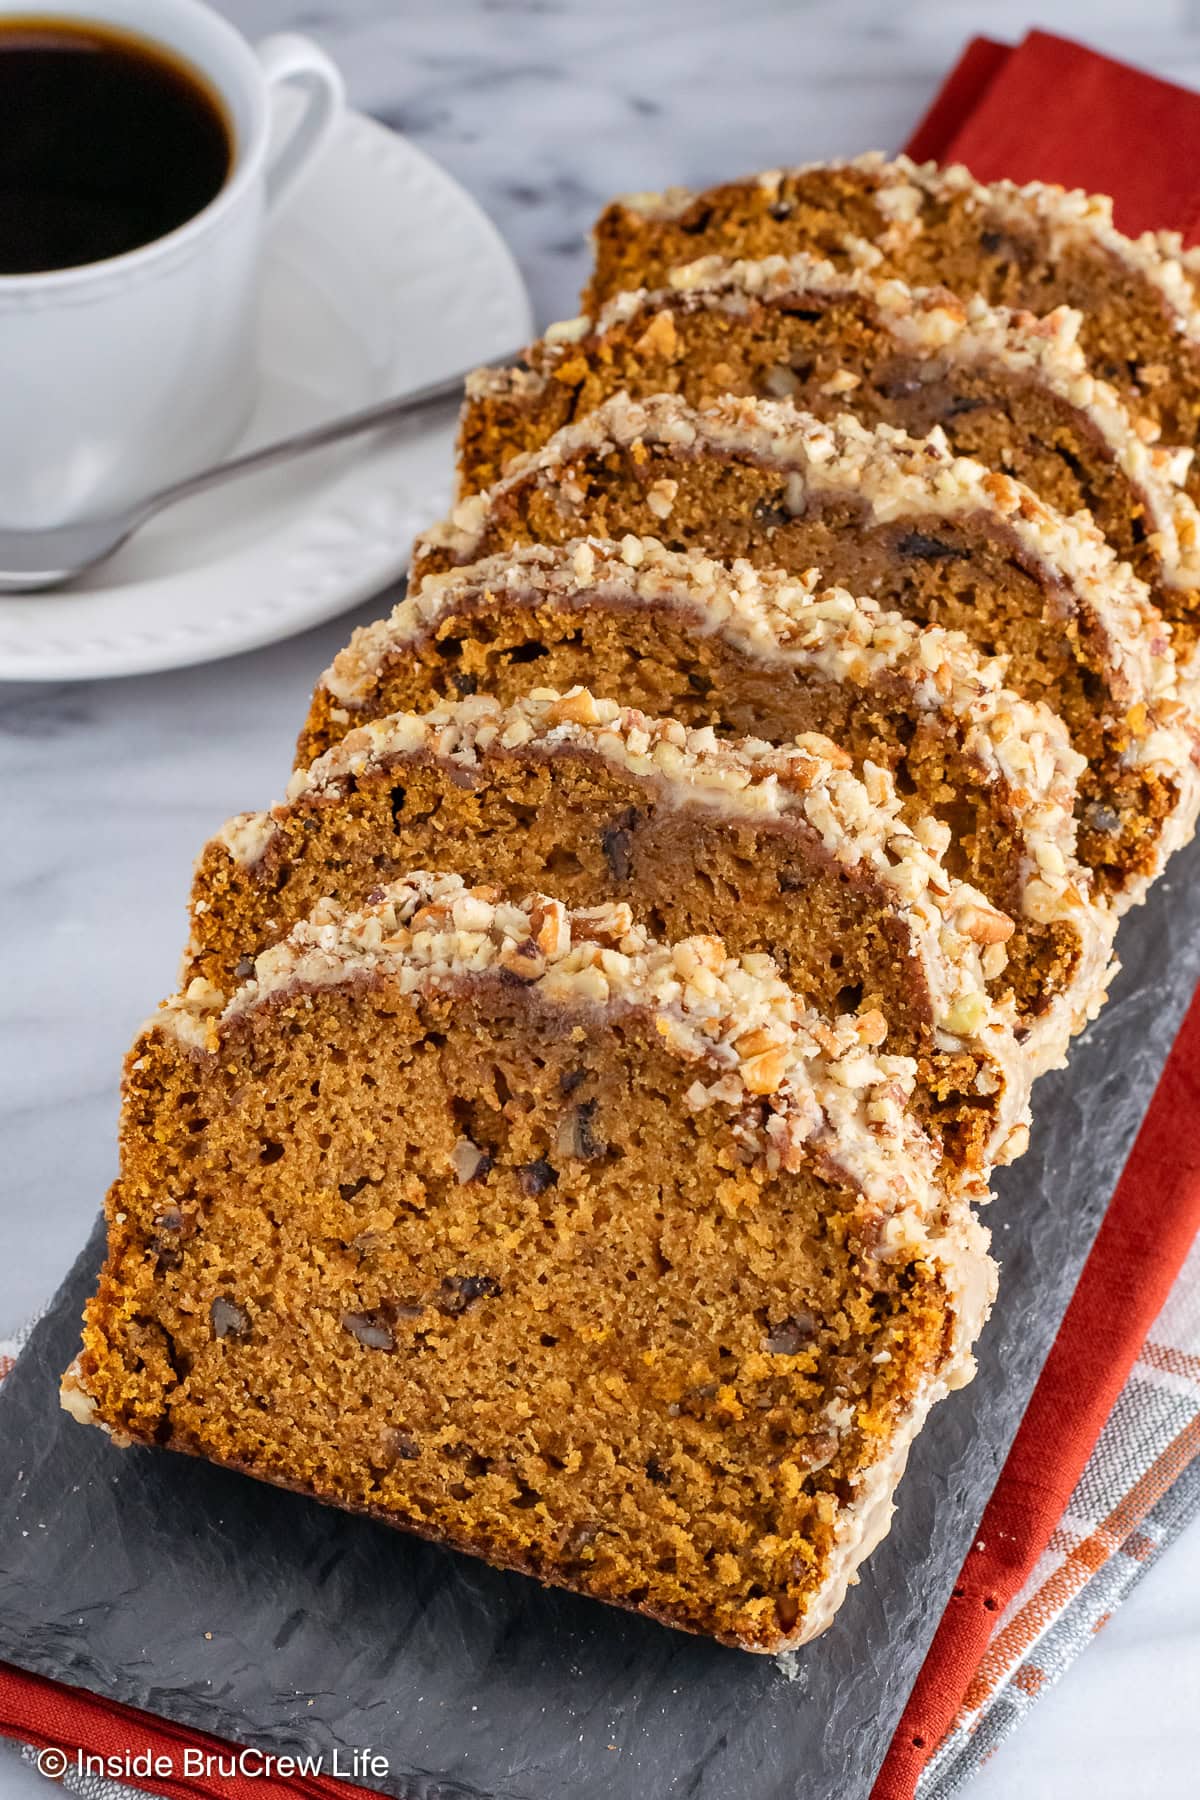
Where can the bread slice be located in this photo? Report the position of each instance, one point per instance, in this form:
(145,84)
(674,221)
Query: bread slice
(1012,390)
(939,538)
(1034,246)
(775,849)
(755,653)
(623,1272)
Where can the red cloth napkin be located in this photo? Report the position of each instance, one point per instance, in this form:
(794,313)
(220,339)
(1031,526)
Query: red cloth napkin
(1055,111)
(1052,111)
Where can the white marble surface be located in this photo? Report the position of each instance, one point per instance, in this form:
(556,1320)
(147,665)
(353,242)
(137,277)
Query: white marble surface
(542,108)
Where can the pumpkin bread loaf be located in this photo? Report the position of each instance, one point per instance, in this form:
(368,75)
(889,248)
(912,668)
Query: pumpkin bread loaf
(600,1203)
(773,848)
(755,653)
(1034,247)
(1011,390)
(937,537)
(625,1272)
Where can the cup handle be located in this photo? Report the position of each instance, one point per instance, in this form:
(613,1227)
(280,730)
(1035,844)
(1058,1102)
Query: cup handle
(286,57)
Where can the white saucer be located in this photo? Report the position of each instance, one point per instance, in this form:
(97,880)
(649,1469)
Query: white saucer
(381,275)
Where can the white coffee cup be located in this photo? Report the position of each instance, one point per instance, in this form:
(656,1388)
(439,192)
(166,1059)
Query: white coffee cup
(118,377)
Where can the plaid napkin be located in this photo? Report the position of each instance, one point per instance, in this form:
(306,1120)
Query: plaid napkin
(1105,1471)
(1140,1488)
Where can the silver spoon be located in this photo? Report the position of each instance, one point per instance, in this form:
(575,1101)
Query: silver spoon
(31,561)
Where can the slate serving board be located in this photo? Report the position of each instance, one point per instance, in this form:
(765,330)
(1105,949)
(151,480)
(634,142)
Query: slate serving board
(333,1633)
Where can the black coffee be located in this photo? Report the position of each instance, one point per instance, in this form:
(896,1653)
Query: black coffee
(106,143)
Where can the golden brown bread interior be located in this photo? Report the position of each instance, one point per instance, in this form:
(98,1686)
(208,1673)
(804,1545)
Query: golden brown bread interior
(935,537)
(1033,247)
(486,1258)
(759,654)
(780,850)
(1011,390)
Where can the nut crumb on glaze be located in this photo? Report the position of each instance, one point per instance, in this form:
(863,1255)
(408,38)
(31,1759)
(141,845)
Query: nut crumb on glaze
(1033,245)
(942,329)
(893,474)
(858,820)
(733,1018)
(793,624)
(1110,625)
(1069,217)
(800,802)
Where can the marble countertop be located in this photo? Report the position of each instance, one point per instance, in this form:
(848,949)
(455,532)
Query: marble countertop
(542,108)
